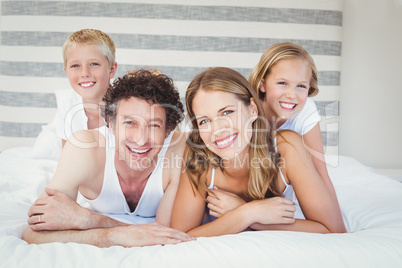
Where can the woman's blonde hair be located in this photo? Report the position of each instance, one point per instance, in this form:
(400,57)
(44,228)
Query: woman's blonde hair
(91,37)
(276,53)
(263,159)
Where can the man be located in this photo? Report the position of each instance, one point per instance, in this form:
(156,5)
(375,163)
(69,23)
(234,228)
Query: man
(118,171)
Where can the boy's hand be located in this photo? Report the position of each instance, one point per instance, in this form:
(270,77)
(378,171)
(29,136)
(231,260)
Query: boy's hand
(221,202)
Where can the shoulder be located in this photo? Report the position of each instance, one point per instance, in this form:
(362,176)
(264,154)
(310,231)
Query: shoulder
(173,158)
(87,139)
(177,143)
(290,142)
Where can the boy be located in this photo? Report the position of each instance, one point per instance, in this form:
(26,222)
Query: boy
(89,63)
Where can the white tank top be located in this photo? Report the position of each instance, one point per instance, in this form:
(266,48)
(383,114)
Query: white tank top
(288,193)
(111,200)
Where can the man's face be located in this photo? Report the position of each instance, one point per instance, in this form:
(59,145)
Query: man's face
(140,131)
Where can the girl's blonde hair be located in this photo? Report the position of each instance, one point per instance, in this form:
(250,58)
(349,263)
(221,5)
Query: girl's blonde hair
(275,53)
(91,37)
(263,159)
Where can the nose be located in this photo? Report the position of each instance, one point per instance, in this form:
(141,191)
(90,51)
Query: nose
(137,134)
(290,92)
(141,136)
(221,125)
(85,71)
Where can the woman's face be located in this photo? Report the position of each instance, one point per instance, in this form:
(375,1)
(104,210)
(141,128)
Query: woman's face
(224,122)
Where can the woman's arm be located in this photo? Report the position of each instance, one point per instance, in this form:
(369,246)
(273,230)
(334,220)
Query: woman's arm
(320,207)
(189,209)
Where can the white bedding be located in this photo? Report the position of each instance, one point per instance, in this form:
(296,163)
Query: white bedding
(371,205)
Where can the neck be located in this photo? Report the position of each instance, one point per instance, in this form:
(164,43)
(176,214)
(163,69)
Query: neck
(129,175)
(239,166)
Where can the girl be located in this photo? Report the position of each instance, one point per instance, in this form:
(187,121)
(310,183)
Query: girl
(230,147)
(284,79)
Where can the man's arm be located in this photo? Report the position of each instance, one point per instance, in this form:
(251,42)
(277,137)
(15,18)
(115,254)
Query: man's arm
(78,167)
(127,236)
(171,177)
(58,211)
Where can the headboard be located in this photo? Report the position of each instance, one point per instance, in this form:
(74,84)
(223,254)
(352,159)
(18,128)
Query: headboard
(179,37)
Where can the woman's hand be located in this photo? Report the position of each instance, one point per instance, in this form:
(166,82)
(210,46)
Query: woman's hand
(274,210)
(221,202)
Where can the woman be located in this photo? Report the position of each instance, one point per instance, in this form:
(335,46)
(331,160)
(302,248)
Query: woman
(230,149)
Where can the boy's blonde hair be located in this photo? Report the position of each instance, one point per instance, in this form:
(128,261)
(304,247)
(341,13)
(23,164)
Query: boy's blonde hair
(91,37)
(276,53)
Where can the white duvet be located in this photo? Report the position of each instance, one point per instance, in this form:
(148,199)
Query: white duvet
(371,205)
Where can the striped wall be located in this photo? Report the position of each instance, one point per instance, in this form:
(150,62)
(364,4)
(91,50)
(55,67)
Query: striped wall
(179,37)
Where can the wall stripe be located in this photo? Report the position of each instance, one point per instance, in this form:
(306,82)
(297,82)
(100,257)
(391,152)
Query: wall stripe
(175,27)
(27,99)
(166,42)
(181,73)
(28,130)
(176,12)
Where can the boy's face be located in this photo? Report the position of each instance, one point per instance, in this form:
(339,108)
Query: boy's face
(89,72)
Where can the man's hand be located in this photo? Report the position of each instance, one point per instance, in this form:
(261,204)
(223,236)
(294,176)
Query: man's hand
(57,212)
(146,235)
(221,202)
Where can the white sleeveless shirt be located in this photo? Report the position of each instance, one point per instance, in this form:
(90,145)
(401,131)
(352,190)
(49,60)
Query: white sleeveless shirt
(111,200)
(288,193)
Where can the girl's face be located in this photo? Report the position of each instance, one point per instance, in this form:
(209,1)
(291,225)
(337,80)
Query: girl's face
(286,89)
(224,122)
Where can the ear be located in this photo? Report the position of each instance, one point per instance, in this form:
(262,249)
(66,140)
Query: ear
(261,86)
(253,109)
(167,133)
(112,128)
(113,70)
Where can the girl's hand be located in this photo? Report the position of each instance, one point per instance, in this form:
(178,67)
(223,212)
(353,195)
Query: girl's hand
(221,202)
(274,210)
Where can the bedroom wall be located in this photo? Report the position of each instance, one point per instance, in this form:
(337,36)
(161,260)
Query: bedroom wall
(371,83)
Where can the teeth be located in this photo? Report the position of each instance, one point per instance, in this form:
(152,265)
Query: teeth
(288,105)
(138,151)
(226,141)
(87,84)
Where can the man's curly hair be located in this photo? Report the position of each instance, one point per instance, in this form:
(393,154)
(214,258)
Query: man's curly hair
(143,84)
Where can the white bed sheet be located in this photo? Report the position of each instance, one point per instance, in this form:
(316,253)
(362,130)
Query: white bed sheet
(370,203)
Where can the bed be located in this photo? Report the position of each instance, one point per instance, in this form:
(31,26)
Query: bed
(370,205)
(182,38)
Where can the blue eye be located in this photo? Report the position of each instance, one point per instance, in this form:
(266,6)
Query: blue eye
(302,86)
(74,66)
(227,112)
(95,64)
(203,122)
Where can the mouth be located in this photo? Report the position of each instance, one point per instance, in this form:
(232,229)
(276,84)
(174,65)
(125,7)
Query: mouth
(226,142)
(87,84)
(287,105)
(137,151)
